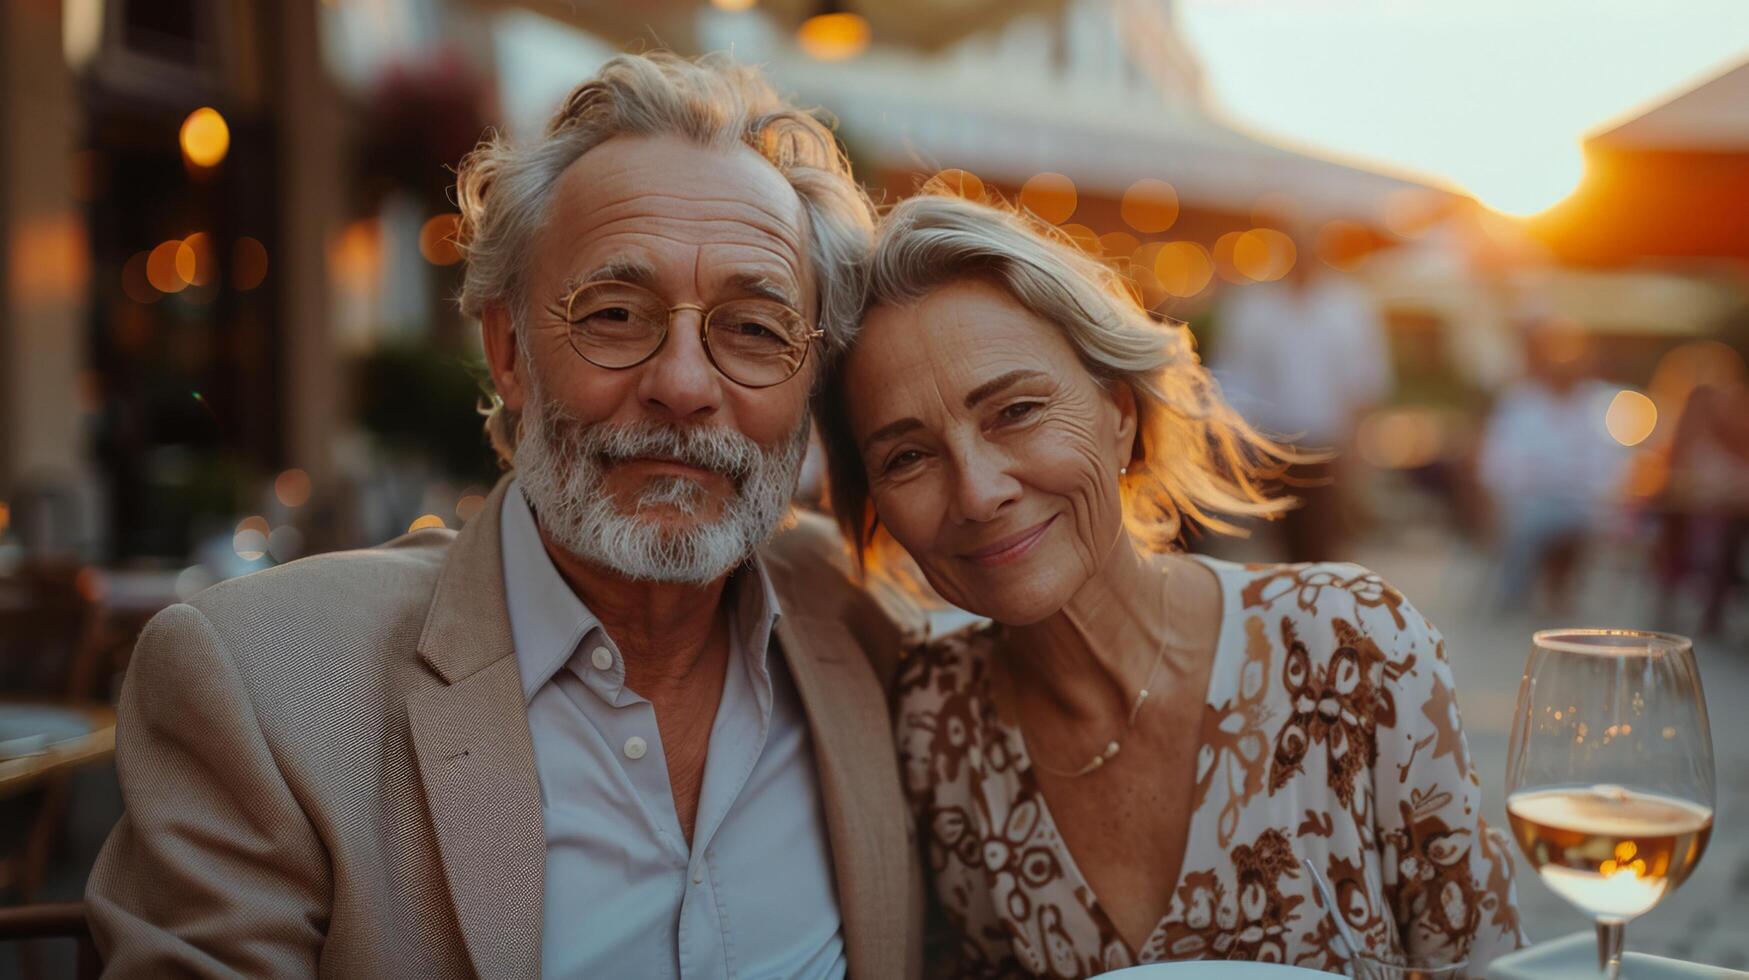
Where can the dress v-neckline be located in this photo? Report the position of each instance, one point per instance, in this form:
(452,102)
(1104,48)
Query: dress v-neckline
(1025,773)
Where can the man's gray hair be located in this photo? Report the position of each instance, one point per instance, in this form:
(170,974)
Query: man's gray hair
(503,187)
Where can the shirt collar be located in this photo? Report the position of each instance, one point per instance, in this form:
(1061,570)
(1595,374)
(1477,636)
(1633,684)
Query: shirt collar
(548,620)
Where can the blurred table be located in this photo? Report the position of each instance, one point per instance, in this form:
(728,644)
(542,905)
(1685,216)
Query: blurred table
(40,738)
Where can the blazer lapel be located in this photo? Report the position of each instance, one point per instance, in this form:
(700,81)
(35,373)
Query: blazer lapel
(476,758)
(859,785)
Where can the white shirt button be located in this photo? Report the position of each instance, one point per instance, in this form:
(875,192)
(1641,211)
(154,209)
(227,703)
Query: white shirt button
(601,657)
(635,748)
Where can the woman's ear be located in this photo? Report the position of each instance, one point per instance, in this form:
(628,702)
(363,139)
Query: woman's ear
(504,361)
(1123,397)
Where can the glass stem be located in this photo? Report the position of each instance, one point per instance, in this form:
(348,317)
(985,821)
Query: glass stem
(1610,938)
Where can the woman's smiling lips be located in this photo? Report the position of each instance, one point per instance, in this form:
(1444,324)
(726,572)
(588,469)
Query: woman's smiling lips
(1011,548)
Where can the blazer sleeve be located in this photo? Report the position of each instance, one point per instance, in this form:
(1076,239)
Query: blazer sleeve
(214,869)
(1448,875)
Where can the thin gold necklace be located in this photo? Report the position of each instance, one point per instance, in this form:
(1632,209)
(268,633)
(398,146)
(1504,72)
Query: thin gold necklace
(1113,746)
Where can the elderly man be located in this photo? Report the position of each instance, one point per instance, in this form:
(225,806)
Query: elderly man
(599,732)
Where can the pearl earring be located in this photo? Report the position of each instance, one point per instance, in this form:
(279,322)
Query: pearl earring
(1123,471)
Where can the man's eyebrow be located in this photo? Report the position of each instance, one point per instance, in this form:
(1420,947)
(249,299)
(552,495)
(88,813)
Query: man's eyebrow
(636,272)
(891,430)
(996,385)
(764,287)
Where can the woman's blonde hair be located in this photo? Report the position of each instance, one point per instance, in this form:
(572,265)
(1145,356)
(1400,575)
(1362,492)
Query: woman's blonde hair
(1195,458)
(503,187)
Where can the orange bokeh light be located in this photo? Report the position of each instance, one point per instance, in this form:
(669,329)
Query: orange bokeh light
(1084,237)
(134,282)
(161,269)
(834,37)
(248,263)
(959,183)
(292,488)
(437,239)
(1223,258)
(1264,254)
(424,521)
(205,137)
(1051,196)
(1150,206)
(1183,269)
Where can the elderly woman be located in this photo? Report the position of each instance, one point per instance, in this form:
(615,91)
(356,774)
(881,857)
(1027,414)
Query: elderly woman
(1131,761)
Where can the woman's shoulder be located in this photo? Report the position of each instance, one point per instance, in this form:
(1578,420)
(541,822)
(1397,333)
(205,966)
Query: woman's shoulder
(1340,602)
(946,665)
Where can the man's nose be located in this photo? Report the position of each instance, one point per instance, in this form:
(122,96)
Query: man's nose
(982,486)
(680,382)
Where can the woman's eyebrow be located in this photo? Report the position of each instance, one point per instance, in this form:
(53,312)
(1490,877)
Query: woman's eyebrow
(996,385)
(891,430)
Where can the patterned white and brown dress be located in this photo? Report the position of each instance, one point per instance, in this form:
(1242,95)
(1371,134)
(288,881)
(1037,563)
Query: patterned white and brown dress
(1330,732)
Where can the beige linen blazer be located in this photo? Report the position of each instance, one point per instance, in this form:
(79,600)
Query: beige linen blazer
(327,771)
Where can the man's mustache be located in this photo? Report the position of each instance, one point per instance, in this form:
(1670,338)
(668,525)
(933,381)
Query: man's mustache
(714,448)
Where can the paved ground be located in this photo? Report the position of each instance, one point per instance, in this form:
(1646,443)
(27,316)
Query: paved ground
(1707,920)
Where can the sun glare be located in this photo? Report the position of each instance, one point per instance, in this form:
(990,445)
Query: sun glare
(1537,181)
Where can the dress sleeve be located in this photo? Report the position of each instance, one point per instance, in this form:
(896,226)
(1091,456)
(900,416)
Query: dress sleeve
(1448,875)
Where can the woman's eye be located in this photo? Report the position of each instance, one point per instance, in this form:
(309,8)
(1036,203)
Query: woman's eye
(1019,410)
(901,460)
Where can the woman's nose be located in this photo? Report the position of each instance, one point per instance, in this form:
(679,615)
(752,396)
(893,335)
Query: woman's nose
(982,487)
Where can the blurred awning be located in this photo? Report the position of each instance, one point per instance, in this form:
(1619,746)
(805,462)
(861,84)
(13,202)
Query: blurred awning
(900,114)
(1672,182)
(921,24)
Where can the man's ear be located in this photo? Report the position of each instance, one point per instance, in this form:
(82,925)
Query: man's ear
(1123,397)
(503,356)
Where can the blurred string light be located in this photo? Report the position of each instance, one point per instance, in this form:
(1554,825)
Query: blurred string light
(1118,245)
(205,138)
(286,543)
(134,282)
(1085,238)
(959,183)
(1051,196)
(733,6)
(5,516)
(1264,254)
(1342,244)
(195,264)
(1402,438)
(250,539)
(161,268)
(424,521)
(248,263)
(1183,269)
(1222,254)
(1150,206)
(292,487)
(1631,417)
(469,506)
(437,239)
(833,34)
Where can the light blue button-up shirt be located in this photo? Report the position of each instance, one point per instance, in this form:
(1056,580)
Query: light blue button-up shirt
(625,896)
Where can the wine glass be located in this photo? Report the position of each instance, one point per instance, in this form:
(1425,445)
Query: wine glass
(1609,778)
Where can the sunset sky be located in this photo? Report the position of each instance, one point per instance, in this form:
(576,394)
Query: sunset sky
(1492,95)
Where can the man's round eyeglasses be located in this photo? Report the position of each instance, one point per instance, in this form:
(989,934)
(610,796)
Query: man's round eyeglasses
(754,342)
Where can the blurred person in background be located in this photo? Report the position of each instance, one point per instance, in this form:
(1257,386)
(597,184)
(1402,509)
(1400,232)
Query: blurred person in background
(1303,358)
(1549,465)
(604,730)
(1704,504)
(1130,762)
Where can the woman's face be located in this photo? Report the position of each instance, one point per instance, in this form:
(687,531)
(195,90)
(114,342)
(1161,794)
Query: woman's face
(992,454)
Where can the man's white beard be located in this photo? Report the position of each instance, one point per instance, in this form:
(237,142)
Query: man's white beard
(561,464)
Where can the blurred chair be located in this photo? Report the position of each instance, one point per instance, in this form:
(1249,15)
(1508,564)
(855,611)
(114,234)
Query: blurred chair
(51,642)
(30,923)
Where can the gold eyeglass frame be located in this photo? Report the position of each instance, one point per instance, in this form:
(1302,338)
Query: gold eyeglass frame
(704,323)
